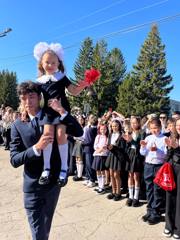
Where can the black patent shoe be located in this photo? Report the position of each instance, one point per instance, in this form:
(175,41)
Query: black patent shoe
(62,182)
(153,220)
(146,217)
(135,203)
(117,197)
(129,202)
(76,178)
(44,180)
(110,196)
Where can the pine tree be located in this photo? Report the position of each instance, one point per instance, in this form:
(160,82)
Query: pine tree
(152,84)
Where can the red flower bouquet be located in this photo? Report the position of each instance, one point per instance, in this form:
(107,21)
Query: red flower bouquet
(91,75)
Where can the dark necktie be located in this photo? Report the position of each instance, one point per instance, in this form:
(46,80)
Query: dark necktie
(35,124)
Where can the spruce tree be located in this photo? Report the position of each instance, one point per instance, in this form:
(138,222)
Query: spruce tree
(125,97)
(102,94)
(152,84)
(112,67)
(115,72)
(84,61)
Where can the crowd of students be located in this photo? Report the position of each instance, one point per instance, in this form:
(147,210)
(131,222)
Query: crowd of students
(118,155)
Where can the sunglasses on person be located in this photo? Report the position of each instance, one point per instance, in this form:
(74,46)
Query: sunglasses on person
(162,117)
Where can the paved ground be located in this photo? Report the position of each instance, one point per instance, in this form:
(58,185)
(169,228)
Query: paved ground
(81,214)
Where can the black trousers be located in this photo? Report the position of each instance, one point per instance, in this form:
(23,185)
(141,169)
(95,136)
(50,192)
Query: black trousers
(172,215)
(155,195)
(90,173)
(40,210)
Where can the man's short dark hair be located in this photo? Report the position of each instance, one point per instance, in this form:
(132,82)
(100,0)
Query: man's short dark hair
(28,87)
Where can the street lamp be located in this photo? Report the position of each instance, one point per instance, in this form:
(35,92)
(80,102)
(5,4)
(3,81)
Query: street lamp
(4,33)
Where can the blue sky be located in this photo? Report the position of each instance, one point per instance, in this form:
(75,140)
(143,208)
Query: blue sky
(70,22)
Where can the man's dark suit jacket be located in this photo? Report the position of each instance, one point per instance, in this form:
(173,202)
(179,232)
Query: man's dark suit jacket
(23,137)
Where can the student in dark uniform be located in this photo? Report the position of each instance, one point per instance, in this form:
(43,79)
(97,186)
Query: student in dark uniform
(53,82)
(90,132)
(135,162)
(77,152)
(25,149)
(116,159)
(172,215)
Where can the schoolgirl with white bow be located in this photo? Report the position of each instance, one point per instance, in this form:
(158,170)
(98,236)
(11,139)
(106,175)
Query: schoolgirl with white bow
(53,82)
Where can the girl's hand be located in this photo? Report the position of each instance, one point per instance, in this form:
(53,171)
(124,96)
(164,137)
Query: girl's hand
(171,142)
(110,146)
(168,142)
(98,150)
(127,137)
(143,143)
(83,84)
(55,104)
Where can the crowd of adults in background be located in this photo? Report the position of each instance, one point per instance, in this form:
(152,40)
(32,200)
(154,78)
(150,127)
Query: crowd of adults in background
(118,157)
(7,117)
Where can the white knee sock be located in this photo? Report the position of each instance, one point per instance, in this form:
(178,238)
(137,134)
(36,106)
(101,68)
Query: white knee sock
(136,193)
(131,190)
(63,150)
(103,181)
(80,167)
(99,181)
(47,157)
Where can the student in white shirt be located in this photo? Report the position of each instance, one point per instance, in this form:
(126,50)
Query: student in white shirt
(154,149)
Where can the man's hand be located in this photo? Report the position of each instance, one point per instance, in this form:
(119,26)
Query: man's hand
(55,104)
(43,142)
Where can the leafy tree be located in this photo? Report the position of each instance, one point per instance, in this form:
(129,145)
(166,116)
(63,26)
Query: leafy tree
(152,84)
(8,85)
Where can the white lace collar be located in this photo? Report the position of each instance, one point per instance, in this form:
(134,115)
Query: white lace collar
(54,77)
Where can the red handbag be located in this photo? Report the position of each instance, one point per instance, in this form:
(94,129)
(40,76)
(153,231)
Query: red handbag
(165,177)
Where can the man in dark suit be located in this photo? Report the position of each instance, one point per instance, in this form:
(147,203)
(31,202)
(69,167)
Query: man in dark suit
(26,146)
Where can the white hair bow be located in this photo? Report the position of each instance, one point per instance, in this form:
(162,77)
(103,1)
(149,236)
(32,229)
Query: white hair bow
(42,47)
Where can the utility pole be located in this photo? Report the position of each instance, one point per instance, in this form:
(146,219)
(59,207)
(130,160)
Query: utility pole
(4,33)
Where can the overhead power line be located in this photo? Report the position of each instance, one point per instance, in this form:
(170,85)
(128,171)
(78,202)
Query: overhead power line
(130,29)
(103,22)
(111,34)
(91,14)
(137,27)
(111,19)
